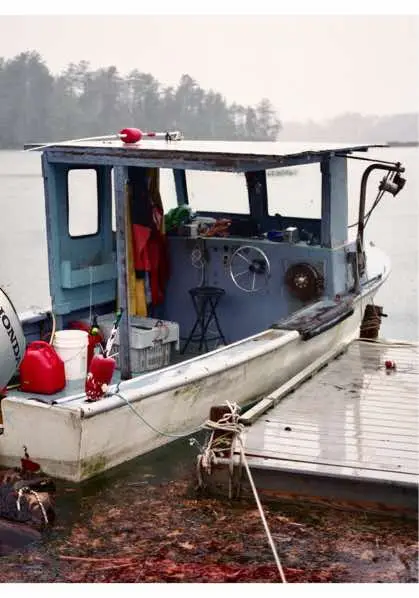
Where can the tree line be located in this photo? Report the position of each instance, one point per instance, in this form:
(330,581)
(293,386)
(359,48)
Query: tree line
(37,106)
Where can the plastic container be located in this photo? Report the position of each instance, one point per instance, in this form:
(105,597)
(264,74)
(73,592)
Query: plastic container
(152,341)
(71,346)
(145,332)
(95,337)
(275,235)
(42,369)
(149,358)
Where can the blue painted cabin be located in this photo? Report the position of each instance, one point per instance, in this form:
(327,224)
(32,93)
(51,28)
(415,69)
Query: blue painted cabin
(88,269)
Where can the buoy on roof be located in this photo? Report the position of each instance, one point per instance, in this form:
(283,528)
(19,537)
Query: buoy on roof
(131,135)
(128,135)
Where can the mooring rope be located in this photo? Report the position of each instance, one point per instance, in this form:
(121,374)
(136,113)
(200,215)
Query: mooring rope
(133,409)
(390,343)
(229,423)
(262,514)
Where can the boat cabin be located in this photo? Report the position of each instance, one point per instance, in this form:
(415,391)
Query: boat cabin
(143,227)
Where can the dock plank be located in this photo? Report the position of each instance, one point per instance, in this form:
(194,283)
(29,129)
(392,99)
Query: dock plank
(354,420)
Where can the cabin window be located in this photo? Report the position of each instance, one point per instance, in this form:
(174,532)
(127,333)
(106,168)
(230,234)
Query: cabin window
(295,191)
(217,191)
(83,210)
(167,189)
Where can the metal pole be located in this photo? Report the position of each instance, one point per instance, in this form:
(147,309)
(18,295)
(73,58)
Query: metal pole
(363,193)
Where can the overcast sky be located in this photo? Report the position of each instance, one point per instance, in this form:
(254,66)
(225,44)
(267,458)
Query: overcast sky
(310,67)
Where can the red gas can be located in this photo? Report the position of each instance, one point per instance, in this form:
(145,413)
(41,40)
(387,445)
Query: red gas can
(42,369)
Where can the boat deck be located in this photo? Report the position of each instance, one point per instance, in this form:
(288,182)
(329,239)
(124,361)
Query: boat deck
(349,433)
(183,369)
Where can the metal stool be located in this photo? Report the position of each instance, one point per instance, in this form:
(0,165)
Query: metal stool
(205,301)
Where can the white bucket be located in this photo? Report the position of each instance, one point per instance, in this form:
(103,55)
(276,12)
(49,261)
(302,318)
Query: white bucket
(71,346)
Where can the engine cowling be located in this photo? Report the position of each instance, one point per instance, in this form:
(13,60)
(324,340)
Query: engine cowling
(12,340)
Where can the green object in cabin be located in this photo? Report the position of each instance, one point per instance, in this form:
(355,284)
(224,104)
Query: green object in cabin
(177,217)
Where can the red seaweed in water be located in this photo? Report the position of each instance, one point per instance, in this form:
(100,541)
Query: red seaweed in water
(143,531)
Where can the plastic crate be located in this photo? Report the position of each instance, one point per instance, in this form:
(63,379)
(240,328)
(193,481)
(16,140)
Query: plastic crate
(145,332)
(148,359)
(152,341)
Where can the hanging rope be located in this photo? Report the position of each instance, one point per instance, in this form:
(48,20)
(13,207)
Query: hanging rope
(198,262)
(90,293)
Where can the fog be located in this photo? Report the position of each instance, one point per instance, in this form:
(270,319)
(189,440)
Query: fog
(309,67)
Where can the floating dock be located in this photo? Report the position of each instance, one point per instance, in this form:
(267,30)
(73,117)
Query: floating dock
(349,433)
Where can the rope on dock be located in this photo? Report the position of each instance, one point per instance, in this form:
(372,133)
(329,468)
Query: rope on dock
(229,423)
(389,342)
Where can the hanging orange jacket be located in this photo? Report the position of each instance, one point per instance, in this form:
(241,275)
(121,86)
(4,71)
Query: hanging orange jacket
(149,241)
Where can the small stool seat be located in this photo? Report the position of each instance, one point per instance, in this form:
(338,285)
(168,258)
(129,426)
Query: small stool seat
(205,301)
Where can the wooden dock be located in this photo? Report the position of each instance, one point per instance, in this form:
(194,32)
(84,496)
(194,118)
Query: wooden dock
(350,433)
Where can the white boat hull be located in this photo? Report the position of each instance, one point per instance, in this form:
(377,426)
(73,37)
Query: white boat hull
(76,440)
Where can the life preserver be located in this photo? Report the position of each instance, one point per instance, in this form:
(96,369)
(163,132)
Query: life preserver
(304,281)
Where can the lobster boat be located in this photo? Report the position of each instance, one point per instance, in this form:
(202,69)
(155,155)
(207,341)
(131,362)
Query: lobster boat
(162,307)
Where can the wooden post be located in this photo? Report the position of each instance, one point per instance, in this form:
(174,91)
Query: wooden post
(121,210)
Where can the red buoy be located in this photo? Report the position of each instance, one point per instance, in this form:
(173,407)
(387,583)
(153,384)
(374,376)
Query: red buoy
(99,377)
(131,135)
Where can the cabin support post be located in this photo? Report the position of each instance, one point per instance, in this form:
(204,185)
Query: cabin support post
(258,194)
(53,237)
(121,217)
(334,225)
(181,187)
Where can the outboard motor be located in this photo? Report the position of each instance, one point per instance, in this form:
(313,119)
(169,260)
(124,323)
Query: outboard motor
(12,340)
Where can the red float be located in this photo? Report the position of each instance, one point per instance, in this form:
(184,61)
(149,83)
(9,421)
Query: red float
(99,377)
(131,135)
(390,365)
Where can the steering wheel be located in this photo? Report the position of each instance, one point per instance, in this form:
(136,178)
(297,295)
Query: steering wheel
(249,268)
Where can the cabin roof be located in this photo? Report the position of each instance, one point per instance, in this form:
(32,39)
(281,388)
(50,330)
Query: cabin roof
(213,154)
